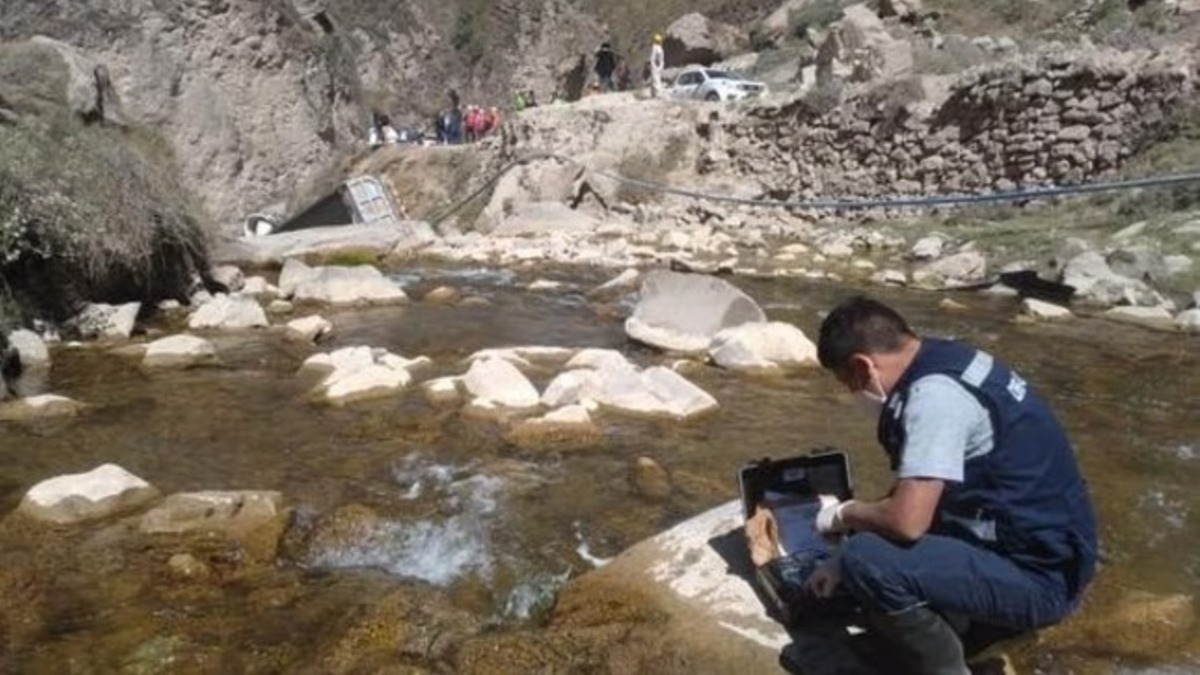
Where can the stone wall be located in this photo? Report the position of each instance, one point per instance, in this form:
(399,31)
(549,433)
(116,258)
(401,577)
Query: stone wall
(1048,120)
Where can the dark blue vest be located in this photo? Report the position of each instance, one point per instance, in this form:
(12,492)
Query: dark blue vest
(1026,498)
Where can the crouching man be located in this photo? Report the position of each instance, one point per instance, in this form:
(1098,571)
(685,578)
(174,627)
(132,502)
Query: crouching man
(988,521)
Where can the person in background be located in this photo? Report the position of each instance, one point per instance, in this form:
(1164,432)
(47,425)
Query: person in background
(988,529)
(605,66)
(530,99)
(624,78)
(657,64)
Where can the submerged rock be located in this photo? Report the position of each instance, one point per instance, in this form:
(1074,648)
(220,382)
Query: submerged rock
(684,312)
(763,347)
(569,425)
(254,519)
(442,391)
(179,351)
(650,479)
(42,406)
(104,491)
(443,295)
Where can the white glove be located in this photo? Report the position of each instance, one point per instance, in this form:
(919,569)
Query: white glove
(829,519)
(825,578)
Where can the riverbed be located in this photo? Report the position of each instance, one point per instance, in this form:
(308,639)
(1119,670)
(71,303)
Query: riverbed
(489,530)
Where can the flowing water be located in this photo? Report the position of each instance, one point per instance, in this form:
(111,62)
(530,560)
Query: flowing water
(497,528)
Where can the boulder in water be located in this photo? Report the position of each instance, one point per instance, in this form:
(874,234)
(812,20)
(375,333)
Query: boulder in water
(254,519)
(763,347)
(496,382)
(179,351)
(684,312)
(30,348)
(229,312)
(42,406)
(104,491)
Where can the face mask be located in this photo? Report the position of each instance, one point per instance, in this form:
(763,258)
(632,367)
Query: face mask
(871,402)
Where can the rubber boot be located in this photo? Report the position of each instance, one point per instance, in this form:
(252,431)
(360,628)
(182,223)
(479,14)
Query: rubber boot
(922,641)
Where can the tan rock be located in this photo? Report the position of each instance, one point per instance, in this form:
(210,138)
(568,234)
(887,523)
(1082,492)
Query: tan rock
(254,519)
(650,479)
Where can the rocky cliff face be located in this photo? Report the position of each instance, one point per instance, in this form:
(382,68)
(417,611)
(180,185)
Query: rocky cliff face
(258,98)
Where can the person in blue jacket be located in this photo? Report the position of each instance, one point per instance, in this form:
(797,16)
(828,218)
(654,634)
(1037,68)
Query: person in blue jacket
(988,523)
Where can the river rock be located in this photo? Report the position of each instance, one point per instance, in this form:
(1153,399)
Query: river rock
(1038,309)
(545,285)
(1151,317)
(1138,262)
(1096,282)
(625,282)
(258,286)
(569,425)
(42,406)
(890,278)
(900,8)
(230,277)
(654,392)
(692,582)
(254,519)
(597,359)
(104,491)
(179,351)
(1188,321)
(763,347)
(650,479)
(229,312)
(338,285)
(527,358)
(927,248)
(30,348)
(955,270)
(309,329)
(443,295)
(684,312)
(107,321)
(496,382)
(442,391)
(278,306)
(186,565)
(1176,264)
(358,373)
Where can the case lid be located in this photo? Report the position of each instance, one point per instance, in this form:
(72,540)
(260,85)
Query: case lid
(818,473)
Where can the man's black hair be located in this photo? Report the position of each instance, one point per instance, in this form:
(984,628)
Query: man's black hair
(860,325)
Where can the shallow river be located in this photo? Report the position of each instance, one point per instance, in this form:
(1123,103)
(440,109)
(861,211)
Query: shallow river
(499,528)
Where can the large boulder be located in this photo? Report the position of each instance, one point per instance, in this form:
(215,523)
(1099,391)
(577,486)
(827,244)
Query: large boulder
(543,218)
(179,351)
(693,583)
(253,519)
(861,48)
(1095,282)
(104,491)
(762,347)
(81,83)
(694,38)
(377,239)
(684,312)
(229,312)
(338,285)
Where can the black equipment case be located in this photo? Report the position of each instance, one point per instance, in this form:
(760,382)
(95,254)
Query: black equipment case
(824,471)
